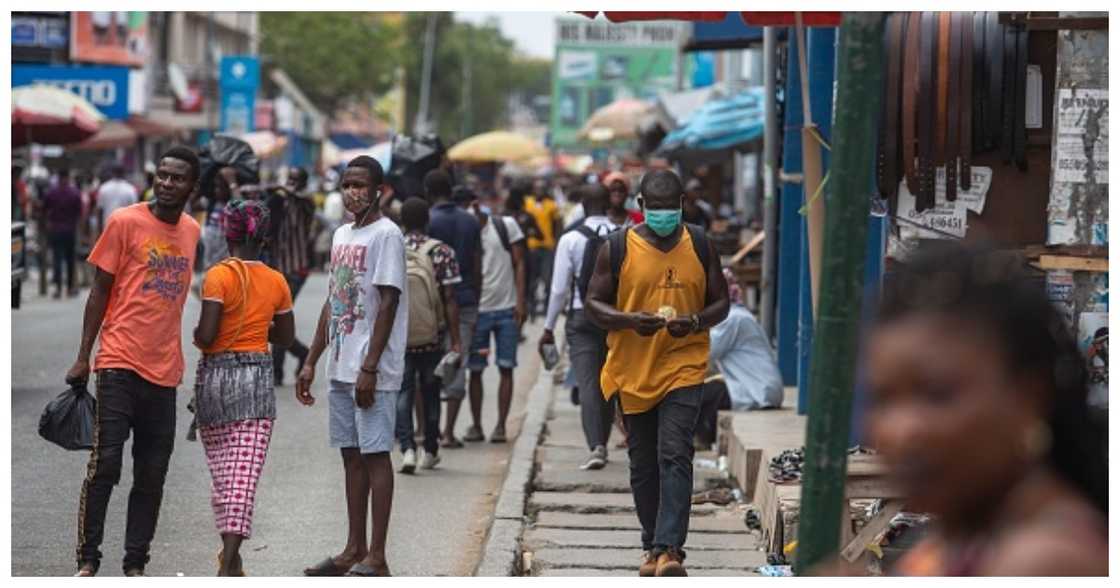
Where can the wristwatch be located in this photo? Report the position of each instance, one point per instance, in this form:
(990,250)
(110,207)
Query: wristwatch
(695,318)
(372,372)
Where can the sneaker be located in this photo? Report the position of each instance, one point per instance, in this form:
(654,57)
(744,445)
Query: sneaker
(429,461)
(597,460)
(649,565)
(408,464)
(670,563)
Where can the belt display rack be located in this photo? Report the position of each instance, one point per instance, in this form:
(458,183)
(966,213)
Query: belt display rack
(955,87)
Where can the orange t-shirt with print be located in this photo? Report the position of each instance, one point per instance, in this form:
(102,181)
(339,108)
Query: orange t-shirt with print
(250,305)
(151,262)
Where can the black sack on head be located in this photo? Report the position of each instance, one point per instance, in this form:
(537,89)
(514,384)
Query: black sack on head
(68,419)
(412,159)
(226,151)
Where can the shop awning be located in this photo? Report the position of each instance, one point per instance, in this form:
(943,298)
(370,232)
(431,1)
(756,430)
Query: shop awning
(115,134)
(758,19)
(723,123)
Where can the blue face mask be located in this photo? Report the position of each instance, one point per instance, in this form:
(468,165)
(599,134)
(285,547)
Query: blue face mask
(663,222)
(485,209)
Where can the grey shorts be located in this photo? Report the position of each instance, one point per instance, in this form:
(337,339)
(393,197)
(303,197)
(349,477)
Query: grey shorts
(369,429)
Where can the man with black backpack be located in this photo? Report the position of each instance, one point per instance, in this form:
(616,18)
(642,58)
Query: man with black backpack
(656,290)
(587,343)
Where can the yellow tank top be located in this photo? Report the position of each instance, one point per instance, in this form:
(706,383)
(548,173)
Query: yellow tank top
(644,369)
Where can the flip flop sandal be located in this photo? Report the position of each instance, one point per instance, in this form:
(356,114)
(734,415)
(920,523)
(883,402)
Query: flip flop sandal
(362,570)
(498,437)
(326,568)
(85,571)
(451,444)
(474,435)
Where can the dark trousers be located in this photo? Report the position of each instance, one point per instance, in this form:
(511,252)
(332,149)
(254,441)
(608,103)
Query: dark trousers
(62,244)
(126,402)
(299,350)
(587,349)
(661,451)
(540,272)
(715,399)
(422,367)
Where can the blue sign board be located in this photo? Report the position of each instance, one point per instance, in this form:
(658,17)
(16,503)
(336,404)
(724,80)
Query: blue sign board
(239,80)
(730,33)
(105,87)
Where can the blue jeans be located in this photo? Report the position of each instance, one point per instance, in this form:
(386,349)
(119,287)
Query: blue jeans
(422,366)
(661,452)
(504,328)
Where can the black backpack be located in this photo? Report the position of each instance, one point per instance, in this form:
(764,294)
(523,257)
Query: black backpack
(617,240)
(590,254)
(503,231)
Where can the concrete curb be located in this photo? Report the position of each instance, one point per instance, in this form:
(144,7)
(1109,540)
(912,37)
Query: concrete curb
(501,555)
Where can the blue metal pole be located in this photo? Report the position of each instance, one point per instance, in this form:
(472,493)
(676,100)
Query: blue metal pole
(821,44)
(790,222)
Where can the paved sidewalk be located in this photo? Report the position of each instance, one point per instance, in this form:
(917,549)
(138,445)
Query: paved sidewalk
(582,523)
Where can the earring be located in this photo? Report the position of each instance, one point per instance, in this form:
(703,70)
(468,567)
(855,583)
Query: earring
(1036,440)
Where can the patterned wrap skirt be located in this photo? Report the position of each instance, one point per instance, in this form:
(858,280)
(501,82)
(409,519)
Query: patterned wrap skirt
(235,406)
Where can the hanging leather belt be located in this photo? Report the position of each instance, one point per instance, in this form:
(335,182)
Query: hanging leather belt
(952,131)
(944,19)
(994,50)
(1020,133)
(1007,134)
(966,100)
(979,81)
(909,100)
(889,158)
(927,112)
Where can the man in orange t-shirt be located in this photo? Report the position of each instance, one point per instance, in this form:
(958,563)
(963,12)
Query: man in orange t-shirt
(144,260)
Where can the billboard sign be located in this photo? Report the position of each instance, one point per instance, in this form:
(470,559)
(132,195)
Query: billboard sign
(118,38)
(239,79)
(40,31)
(598,62)
(105,87)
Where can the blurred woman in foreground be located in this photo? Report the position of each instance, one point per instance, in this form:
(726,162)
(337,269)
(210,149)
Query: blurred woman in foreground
(979,409)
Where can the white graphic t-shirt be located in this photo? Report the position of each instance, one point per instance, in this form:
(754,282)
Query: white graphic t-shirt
(361,260)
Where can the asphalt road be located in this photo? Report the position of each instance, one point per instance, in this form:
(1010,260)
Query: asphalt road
(439,519)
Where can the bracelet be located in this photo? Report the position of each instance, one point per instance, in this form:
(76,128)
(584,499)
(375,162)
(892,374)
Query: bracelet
(372,372)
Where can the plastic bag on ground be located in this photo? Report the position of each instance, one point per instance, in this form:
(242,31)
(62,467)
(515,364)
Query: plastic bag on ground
(68,419)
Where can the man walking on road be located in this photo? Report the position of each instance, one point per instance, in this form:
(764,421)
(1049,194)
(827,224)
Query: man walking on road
(656,289)
(460,229)
(114,194)
(144,259)
(367,329)
(501,311)
(292,213)
(542,249)
(433,314)
(62,207)
(587,343)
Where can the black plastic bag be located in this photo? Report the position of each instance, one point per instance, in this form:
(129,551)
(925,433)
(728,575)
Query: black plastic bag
(412,159)
(225,151)
(68,419)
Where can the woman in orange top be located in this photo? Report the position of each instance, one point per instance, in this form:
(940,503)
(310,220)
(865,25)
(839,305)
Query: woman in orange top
(245,305)
(979,407)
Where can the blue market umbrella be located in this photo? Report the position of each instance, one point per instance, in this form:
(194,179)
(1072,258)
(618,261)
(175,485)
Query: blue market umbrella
(720,124)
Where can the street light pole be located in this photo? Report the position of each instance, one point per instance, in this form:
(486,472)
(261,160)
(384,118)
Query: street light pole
(422,125)
(835,345)
(770,179)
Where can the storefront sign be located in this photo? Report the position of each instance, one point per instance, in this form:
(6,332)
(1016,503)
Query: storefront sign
(119,38)
(240,78)
(40,31)
(105,87)
(600,32)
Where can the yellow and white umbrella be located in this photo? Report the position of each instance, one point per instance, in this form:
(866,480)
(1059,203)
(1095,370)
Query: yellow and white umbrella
(496,146)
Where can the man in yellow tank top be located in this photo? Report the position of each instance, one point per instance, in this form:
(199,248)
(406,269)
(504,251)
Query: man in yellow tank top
(657,301)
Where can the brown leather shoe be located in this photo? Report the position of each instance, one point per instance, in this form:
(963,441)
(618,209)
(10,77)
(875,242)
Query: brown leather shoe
(649,565)
(670,563)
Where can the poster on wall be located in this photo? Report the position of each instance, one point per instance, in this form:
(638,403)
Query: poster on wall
(118,38)
(1092,334)
(1078,209)
(946,220)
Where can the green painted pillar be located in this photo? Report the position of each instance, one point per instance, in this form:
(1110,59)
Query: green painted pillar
(833,364)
